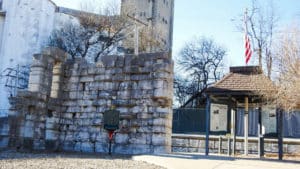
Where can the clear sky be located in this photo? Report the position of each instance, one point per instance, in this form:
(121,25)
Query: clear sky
(212,18)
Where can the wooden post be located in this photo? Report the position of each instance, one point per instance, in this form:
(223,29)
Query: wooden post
(233,117)
(279,113)
(207,126)
(220,144)
(260,134)
(246,122)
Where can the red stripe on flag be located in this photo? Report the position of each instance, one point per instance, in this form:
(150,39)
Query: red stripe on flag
(248,51)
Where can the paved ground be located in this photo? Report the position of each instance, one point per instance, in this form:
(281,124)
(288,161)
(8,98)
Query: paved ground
(196,161)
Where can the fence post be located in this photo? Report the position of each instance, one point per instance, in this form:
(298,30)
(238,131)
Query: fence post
(207,126)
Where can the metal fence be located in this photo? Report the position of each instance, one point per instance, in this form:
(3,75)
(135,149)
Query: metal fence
(192,121)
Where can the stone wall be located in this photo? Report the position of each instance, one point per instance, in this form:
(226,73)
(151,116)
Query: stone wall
(4,128)
(196,143)
(63,109)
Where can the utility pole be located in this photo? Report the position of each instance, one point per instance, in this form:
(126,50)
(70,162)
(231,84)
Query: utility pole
(136,33)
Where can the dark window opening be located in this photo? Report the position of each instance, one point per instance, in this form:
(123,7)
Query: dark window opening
(50,113)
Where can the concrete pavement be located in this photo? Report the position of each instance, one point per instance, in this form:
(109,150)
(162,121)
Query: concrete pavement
(198,161)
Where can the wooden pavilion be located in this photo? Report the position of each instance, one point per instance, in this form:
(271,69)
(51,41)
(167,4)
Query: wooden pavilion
(240,88)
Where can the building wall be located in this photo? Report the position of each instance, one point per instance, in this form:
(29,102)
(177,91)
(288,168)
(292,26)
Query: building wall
(63,109)
(157,14)
(26,28)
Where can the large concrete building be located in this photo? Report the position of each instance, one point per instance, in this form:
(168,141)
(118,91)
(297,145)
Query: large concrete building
(25,27)
(155,17)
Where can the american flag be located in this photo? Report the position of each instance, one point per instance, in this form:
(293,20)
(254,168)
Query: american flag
(248,51)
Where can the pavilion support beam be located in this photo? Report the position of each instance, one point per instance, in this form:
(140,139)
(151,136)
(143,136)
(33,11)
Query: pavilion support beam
(279,113)
(233,129)
(260,146)
(207,126)
(246,122)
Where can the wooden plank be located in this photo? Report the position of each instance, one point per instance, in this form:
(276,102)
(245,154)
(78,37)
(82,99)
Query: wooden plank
(207,126)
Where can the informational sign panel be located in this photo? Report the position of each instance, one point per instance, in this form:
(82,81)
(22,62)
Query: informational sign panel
(111,119)
(218,117)
(269,120)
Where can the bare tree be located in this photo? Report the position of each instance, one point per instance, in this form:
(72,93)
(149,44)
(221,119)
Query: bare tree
(262,23)
(100,31)
(287,79)
(202,61)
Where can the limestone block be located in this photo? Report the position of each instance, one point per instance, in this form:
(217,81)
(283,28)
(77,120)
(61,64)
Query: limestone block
(143,115)
(125,85)
(68,146)
(163,110)
(101,147)
(159,139)
(146,129)
(102,137)
(104,95)
(87,78)
(119,61)
(39,144)
(82,136)
(158,129)
(162,67)
(72,109)
(159,121)
(140,77)
(74,79)
(56,78)
(92,70)
(161,149)
(194,143)
(34,87)
(123,94)
(77,146)
(4,142)
(109,61)
(52,135)
(35,79)
(161,75)
(104,77)
(87,147)
(50,125)
(121,138)
(145,85)
(84,103)
(73,95)
(108,86)
(123,110)
(69,136)
(97,121)
(160,93)
(141,139)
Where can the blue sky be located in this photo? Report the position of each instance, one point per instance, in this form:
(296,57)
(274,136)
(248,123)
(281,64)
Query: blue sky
(212,18)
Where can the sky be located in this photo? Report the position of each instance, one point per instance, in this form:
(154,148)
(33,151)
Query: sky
(213,19)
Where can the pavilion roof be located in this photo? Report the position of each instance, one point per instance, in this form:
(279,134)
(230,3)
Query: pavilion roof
(245,80)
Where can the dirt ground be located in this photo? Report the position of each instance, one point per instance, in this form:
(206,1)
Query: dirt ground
(13,160)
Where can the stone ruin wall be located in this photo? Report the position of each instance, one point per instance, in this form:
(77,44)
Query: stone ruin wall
(63,107)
